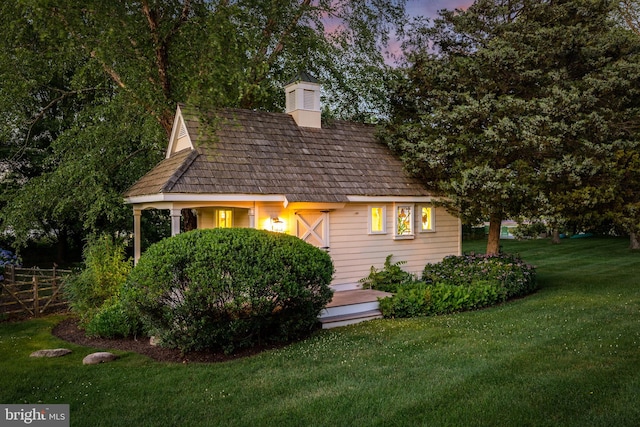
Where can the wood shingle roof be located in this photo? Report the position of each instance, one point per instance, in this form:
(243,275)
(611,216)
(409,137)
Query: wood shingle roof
(255,152)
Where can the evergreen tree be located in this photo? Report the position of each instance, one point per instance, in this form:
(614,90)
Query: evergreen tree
(512,108)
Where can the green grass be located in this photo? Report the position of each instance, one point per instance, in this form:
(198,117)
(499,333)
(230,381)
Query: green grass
(568,355)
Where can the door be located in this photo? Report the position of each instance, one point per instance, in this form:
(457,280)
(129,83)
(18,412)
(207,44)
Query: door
(313,227)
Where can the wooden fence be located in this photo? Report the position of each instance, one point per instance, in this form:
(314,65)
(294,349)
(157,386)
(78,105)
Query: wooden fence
(32,291)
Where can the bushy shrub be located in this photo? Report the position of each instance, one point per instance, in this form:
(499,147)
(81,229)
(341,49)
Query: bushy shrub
(105,271)
(389,277)
(516,277)
(460,283)
(421,299)
(230,288)
(8,258)
(114,319)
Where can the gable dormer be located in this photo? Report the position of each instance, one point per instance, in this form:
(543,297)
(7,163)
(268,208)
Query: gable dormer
(303,100)
(179,139)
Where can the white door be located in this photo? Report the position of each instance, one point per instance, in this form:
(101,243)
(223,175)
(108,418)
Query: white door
(313,227)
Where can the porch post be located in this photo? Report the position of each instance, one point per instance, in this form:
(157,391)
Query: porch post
(137,213)
(252,218)
(175,221)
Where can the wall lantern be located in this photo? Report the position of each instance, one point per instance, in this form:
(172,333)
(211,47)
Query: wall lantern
(278,225)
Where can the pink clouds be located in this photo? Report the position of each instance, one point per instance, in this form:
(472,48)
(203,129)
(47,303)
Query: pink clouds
(430,8)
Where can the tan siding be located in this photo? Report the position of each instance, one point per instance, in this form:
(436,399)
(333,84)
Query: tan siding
(354,251)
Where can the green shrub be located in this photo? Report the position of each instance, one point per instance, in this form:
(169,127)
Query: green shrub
(421,299)
(389,278)
(461,283)
(105,272)
(517,277)
(114,319)
(230,288)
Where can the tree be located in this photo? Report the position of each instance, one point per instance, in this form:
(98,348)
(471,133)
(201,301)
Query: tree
(95,85)
(510,108)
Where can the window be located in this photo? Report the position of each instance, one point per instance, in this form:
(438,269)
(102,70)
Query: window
(404,221)
(377,219)
(427,218)
(224,218)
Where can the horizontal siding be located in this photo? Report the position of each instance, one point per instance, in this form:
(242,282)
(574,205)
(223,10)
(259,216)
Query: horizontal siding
(354,251)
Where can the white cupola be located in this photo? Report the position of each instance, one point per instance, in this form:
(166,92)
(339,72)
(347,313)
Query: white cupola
(303,100)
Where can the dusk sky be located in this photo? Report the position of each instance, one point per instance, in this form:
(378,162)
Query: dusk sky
(430,8)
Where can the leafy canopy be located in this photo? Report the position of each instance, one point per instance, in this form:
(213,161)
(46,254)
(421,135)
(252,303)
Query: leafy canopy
(94,86)
(512,108)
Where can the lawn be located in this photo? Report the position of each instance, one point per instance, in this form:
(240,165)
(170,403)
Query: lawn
(568,355)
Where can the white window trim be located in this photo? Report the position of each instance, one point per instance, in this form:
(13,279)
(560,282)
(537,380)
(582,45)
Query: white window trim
(396,208)
(433,219)
(370,219)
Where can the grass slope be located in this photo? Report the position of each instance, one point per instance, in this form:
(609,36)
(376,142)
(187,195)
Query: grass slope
(568,355)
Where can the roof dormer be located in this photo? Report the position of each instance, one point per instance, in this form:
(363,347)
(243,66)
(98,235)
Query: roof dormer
(303,100)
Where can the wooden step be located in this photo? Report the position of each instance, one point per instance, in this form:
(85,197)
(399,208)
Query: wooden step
(350,307)
(349,319)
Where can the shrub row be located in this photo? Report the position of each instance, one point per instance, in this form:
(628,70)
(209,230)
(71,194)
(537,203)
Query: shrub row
(205,290)
(458,283)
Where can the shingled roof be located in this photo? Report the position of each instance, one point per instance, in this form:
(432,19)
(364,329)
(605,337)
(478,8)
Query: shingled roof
(255,152)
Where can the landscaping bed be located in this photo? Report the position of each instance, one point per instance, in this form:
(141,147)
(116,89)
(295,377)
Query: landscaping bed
(68,330)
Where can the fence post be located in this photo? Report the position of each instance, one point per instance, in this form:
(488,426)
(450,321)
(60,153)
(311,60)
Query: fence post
(36,301)
(12,274)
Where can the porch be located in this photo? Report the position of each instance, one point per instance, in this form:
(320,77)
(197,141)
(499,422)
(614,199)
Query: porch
(352,306)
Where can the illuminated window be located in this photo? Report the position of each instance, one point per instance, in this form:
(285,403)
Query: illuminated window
(224,218)
(404,221)
(426,219)
(377,220)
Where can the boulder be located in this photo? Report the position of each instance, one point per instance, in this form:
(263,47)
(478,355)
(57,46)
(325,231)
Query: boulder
(99,357)
(51,352)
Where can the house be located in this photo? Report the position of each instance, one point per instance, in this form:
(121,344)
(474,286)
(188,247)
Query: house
(333,185)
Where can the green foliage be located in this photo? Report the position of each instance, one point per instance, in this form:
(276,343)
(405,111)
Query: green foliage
(114,319)
(523,108)
(389,278)
(105,271)
(94,86)
(529,230)
(230,288)
(515,276)
(420,299)
(460,283)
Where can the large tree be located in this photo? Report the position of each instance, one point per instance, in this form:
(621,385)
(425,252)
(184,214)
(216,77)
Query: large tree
(510,108)
(90,87)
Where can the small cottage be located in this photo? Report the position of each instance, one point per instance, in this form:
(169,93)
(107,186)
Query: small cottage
(333,185)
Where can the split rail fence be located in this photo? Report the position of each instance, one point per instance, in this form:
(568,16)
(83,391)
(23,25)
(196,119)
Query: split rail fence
(32,291)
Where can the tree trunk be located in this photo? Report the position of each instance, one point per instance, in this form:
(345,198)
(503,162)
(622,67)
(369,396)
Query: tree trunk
(189,220)
(634,243)
(493,241)
(555,238)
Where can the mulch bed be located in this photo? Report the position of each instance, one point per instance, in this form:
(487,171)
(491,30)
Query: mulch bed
(68,330)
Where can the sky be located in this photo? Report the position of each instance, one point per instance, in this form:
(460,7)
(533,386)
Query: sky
(430,8)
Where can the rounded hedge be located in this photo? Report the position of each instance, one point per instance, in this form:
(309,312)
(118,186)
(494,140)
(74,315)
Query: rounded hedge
(230,288)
